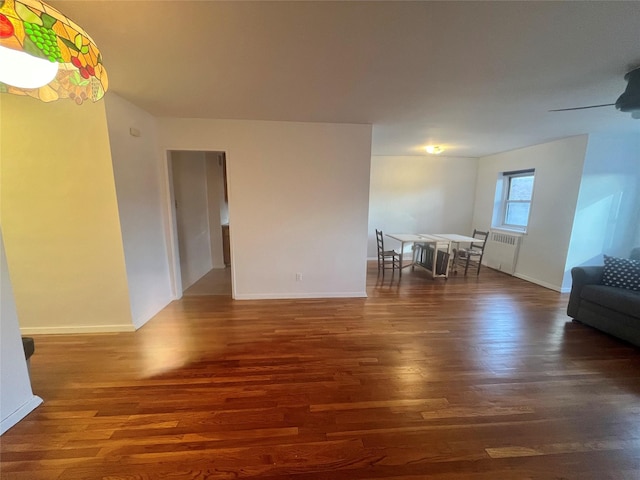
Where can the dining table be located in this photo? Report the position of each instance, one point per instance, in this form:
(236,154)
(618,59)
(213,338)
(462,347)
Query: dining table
(456,240)
(439,242)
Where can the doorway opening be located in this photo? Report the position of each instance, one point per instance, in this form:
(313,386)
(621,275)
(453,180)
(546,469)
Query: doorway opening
(200,210)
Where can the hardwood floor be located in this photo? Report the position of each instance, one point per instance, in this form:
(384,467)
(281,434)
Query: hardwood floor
(472,378)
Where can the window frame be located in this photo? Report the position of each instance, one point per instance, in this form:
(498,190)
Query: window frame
(507,177)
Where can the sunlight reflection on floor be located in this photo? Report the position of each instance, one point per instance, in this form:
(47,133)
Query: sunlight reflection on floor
(166,350)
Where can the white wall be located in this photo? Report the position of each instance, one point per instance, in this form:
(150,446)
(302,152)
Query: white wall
(608,208)
(421,194)
(16,397)
(136,164)
(298,202)
(192,215)
(215,199)
(558,170)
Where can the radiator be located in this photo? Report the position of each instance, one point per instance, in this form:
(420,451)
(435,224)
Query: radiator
(501,251)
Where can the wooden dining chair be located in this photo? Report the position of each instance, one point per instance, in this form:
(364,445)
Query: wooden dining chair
(387,259)
(472,255)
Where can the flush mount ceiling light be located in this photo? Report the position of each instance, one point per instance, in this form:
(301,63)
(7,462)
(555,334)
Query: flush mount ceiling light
(47,56)
(434,149)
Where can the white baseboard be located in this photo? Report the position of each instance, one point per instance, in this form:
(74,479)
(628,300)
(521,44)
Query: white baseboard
(63,329)
(294,296)
(539,282)
(25,409)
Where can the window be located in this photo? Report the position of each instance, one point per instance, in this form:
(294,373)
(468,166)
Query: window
(515,205)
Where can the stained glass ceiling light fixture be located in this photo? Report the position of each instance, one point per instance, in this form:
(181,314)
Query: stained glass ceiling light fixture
(47,56)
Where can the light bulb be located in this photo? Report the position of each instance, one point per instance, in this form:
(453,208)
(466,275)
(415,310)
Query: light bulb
(434,149)
(22,70)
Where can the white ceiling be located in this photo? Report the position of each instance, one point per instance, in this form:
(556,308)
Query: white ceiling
(475,77)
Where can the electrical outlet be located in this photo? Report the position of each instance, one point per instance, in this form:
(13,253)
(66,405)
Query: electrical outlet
(298,277)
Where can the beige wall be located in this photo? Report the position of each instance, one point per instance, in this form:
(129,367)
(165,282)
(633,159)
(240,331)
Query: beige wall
(60,217)
(298,202)
(421,194)
(136,163)
(558,165)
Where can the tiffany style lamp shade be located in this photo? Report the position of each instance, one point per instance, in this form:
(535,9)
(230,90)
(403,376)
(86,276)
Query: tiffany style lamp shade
(47,56)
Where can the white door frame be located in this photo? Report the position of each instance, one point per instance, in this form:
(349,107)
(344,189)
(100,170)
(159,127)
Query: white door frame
(171,228)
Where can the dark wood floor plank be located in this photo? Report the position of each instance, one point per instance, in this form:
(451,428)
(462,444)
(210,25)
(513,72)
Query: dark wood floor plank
(472,378)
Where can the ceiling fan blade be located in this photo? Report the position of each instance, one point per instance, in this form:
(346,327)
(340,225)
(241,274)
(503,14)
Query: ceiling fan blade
(582,108)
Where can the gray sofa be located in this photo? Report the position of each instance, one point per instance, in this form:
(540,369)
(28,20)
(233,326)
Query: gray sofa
(613,310)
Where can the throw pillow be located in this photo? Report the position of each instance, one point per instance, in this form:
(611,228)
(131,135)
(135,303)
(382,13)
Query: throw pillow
(621,273)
